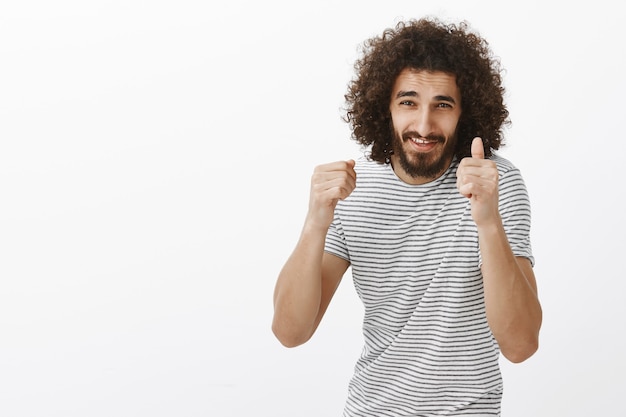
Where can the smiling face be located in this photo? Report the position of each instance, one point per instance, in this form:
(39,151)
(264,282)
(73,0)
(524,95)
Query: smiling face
(425,109)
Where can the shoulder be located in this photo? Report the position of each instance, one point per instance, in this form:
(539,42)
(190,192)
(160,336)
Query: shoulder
(504,165)
(512,188)
(507,170)
(364,164)
(368,171)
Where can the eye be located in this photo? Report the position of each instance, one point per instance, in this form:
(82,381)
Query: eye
(406,103)
(444,106)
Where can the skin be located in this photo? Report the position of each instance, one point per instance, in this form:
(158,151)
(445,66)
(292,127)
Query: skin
(513,310)
(425,109)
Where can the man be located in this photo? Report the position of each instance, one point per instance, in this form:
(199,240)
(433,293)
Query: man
(434,225)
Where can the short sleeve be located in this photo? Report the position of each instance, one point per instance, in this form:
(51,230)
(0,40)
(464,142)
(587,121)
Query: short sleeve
(335,239)
(516,213)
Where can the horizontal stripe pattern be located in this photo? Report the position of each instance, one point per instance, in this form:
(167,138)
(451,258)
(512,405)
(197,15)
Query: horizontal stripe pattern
(415,263)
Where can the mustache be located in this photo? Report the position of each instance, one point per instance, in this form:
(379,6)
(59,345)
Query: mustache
(412,134)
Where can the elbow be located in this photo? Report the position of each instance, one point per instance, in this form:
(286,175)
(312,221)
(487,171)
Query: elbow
(289,338)
(521,351)
(522,342)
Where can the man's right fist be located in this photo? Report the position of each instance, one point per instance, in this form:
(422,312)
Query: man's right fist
(329,184)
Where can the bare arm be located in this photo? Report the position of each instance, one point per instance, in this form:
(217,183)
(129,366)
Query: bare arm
(310,277)
(513,310)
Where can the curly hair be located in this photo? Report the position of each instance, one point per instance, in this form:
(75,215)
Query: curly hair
(427,44)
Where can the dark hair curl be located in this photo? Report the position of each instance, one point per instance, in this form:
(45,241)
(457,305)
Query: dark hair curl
(427,44)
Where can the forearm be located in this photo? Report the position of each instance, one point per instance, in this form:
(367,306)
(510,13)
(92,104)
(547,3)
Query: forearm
(309,279)
(298,290)
(512,306)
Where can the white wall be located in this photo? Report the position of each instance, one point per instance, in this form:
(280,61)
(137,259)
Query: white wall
(154,168)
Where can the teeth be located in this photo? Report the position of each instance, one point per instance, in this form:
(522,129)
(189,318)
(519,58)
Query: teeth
(421,141)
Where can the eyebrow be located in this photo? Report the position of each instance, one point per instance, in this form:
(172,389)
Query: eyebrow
(442,97)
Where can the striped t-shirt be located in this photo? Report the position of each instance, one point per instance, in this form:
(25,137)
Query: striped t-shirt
(415,262)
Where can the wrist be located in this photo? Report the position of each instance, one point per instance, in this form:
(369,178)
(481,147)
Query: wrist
(314,226)
(491,226)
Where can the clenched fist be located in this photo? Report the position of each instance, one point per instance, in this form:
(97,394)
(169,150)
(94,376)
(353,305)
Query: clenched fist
(329,184)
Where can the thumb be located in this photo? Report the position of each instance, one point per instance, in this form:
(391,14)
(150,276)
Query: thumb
(351,163)
(477,148)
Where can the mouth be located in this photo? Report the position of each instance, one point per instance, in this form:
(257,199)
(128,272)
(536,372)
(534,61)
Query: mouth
(422,144)
(422,141)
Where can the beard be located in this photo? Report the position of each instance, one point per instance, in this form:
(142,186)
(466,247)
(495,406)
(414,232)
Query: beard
(424,165)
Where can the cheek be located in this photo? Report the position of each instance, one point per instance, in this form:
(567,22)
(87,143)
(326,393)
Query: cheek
(449,125)
(395,123)
(400,123)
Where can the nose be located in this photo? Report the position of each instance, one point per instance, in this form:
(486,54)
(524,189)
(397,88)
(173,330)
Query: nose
(424,122)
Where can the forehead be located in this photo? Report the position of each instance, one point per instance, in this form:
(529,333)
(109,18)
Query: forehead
(426,84)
